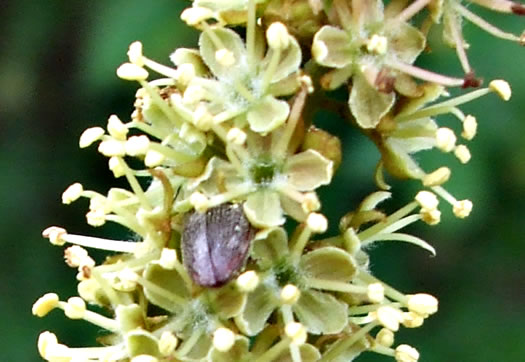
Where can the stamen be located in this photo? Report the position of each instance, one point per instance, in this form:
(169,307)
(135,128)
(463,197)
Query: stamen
(424,74)
(483,24)
(411,10)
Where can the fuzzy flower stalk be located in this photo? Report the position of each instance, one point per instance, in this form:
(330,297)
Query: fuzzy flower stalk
(222,151)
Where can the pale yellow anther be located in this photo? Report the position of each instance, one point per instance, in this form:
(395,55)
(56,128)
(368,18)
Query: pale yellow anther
(436,178)
(168,258)
(502,88)
(385,337)
(76,256)
(462,208)
(470,127)
(406,353)
(45,304)
(129,71)
(58,353)
(125,280)
(45,340)
(225,57)
(290,294)
(202,119)
(75,308)
(430,216)
(193,94)
(462,153)
(116,166)
(55,235)
(185,73)
(223,339)
(199,201)
(427,200)
(194,15)
(167,343)
(153,158)
(310,202)
(110,148)
(296,332)
(445,139)
(96,217)
(90,135)
(422,303)
(377,44)
(135,53)
(236,136)
(72,193)
(308,82)
(189,133)
(116,128)
(375,292)
(137,145)
(412,320)
(88,289)
(247,281)
(316,222)
(144,358)
(389,317)
(277,36)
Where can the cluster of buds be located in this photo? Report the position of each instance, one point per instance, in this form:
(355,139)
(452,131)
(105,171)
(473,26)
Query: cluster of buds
(221,152)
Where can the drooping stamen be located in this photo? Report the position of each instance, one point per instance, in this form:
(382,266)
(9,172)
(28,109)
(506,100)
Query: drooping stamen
(424,74)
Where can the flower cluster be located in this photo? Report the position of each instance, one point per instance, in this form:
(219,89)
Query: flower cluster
(232,123)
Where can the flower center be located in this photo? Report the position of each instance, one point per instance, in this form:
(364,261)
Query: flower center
(263,172)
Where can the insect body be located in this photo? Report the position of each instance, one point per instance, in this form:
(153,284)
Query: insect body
(215,244)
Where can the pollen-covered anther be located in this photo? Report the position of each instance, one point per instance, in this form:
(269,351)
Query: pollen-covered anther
(310,202)
(130,71)
(96,217)
(116,128)
(375,292)
(76,256)
(199,201)
(137,145)
(316,222)
(389,317)
(193,94)
(223,339)
(88,289)
(502,88)
(194,15)
(55,235)
(236,136)
(277,36)
(422,303)
(427,200)
(90,135)
(297,332)
(202,119)
(406,353)
(111,148)
(75,308)
(45,340)
(135,53)
(248,281)
(153,158)
(377,44)
(470,127)
(430,216)
(462,153)
(116,166)
(72,193)
(412,320)
(167,343)
(45,304)
(462,208)
(168,258)
(225,57)
(385,337)
(290,294)
(185,73)
(436,178)
(445,139)
(125,280)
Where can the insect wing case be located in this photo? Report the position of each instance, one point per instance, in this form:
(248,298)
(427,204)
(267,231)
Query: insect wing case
(215,244)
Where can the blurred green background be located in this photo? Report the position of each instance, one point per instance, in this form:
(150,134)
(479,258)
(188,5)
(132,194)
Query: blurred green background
(57,68)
